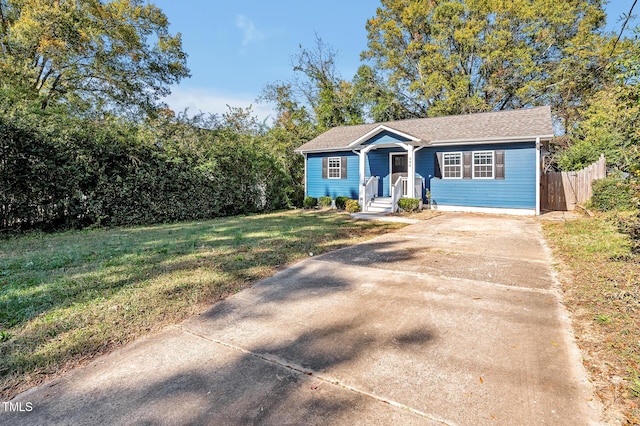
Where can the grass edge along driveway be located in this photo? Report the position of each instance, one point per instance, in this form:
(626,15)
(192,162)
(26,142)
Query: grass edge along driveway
(600,276)
(66,298)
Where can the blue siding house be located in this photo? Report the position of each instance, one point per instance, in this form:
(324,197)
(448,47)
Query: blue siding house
(486,162)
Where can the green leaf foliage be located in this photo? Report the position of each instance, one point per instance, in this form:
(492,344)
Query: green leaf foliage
(317,95)
(325,201)
(409,204)
(615,193)
(610,123)
(77,172)
(88,55)
(341,202)
(352,206)
(462,56)
(310,202)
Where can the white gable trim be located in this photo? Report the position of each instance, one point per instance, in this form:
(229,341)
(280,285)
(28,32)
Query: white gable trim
(382,128)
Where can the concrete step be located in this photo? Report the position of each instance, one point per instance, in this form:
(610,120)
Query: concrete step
(378,209)
(380,205)
(381,201)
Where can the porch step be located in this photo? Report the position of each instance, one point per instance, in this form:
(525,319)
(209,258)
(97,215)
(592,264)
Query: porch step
(380,205)
(376,209)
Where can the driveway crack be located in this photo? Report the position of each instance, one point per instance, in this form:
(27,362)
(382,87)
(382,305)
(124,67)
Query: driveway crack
(298,369)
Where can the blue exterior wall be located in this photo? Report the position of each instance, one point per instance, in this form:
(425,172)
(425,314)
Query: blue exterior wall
(377,164)
(517,190)
(385,137)
(318,187)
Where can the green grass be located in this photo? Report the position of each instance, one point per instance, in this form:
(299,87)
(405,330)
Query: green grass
(602,290)
(67,297)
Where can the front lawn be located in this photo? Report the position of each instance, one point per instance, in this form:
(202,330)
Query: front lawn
(66,298)
(601,288)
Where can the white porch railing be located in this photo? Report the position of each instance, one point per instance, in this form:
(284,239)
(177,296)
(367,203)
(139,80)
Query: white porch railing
(400,189)
(370,191)
(417,188)
(397,191)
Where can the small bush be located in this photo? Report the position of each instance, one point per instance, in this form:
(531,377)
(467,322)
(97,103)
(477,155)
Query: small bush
(324,201)
(409,204)
(629,223)
(615,193)
(352,206)
(341,202)
(309,202)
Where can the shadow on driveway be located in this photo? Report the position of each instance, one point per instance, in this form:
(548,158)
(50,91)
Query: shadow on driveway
(385,332)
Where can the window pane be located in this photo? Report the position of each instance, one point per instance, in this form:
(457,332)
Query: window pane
(334,167)
(483,164)
(452,167)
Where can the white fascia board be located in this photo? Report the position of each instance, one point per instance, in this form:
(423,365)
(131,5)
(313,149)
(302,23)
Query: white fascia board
(381,128)
(319,150)
(490,140)
(402,145)
(357,148)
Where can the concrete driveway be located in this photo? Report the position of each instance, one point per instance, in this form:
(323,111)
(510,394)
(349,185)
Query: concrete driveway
(454,320)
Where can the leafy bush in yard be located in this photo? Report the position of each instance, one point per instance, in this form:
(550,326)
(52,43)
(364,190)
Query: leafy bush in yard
(352,206)
(409,204)
(341,202)
(629,223)
(621,196)
(324,201)
(615,193)
(309,202)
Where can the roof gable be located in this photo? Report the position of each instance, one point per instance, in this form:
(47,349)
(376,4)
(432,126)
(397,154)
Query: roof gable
(383,135)
(503,126)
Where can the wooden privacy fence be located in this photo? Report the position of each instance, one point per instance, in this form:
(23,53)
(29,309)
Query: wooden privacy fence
(565,190)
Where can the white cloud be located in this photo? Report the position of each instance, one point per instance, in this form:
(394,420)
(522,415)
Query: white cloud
(250,33)
(202,100)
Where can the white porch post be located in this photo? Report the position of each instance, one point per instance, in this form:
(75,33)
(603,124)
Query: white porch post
(306,193)
(361,195)
(411,172)
(538,166)
(363,171)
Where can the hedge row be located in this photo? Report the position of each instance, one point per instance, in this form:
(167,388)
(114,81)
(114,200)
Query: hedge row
(72,175)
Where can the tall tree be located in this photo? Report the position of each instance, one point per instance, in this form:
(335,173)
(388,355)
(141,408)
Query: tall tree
(332,99)
(292,127)
(380,101)
(88,54)
(456,56)
(610,122)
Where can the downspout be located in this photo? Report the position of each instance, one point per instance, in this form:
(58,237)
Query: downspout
(538,146)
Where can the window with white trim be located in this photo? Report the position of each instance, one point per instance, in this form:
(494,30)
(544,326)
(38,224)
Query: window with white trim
(452,165)
(483,165)
(333,168)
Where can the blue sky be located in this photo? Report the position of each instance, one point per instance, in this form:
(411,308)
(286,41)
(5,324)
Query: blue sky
(236,47)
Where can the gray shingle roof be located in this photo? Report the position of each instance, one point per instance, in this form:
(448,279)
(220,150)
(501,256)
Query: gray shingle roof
(529,122)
